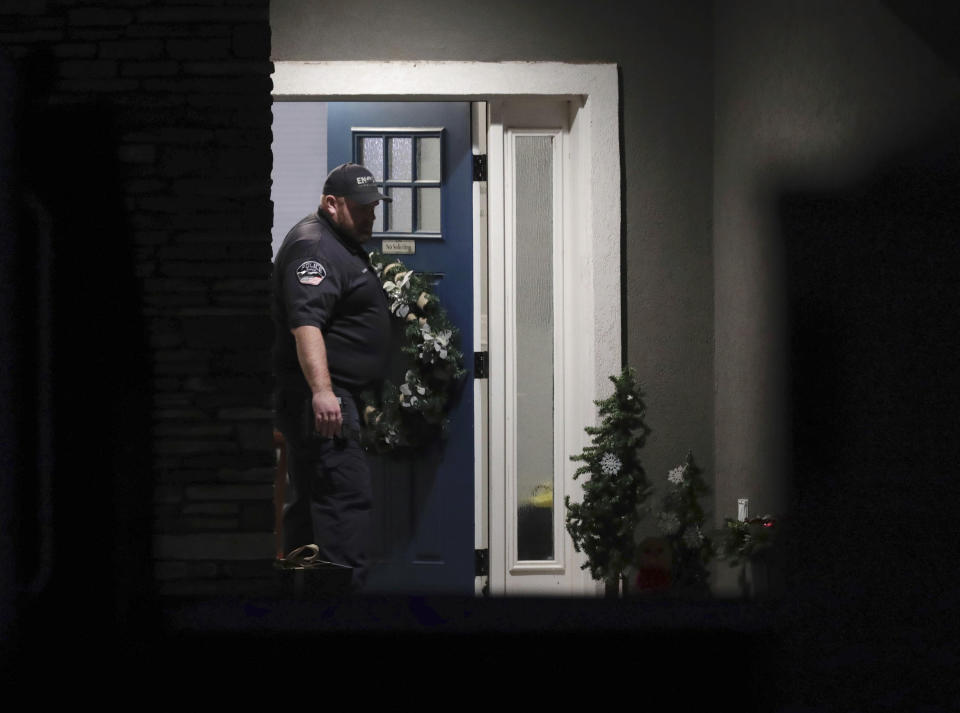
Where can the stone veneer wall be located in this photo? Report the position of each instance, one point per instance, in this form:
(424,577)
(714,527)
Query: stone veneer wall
(186,91)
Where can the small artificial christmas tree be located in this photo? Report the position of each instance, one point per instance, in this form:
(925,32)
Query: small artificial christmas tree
(603,525)
(682,520)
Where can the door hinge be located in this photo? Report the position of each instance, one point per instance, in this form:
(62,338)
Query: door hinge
(479,167)
(481,365)
(481,563)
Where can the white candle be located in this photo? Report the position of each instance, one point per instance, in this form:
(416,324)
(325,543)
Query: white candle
(742,509)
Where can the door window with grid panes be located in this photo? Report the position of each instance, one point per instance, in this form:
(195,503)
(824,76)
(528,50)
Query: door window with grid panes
(406,164)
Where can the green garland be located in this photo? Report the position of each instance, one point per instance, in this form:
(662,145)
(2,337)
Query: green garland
(744,540)
(409,416)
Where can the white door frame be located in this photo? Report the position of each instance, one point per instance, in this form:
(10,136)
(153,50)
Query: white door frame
(596,186)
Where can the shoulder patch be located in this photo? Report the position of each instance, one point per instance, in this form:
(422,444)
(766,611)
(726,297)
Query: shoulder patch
(311,273)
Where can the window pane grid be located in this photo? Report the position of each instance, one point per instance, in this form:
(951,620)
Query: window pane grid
(407,167)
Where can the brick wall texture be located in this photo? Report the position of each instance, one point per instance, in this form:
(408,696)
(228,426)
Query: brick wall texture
(180,95)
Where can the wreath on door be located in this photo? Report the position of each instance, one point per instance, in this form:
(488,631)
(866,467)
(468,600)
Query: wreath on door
(409,416)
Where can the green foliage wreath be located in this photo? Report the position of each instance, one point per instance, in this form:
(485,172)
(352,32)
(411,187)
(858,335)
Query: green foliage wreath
(413,414)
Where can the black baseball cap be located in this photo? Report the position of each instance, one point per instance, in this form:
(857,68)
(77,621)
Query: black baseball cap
(353,181)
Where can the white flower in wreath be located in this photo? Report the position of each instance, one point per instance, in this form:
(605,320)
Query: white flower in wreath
(434,344)
(610,464)
(675,476)
(426,345)
(403,279)
(425,333)
(411,389)
(441,342)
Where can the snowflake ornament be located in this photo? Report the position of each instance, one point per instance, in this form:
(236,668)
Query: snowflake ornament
(675,476)
(610,464)
(668,523)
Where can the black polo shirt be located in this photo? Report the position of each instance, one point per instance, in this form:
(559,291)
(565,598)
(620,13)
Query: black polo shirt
(323,279)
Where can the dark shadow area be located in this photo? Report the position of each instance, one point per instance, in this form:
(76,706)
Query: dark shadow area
(935,22)
(871,570)
(624,650)
(81,482)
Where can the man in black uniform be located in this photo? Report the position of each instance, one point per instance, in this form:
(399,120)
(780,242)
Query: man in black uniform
(332,332)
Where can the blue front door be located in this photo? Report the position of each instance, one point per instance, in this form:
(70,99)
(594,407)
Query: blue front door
(423,531)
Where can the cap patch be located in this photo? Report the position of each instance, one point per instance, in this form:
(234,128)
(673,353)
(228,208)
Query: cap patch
(311,273)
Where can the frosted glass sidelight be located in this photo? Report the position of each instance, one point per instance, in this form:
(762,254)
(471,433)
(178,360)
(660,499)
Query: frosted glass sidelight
(533,159)
(401,158)
(428,210)
(428,158)
(371,155)
(378,220)
(401,210)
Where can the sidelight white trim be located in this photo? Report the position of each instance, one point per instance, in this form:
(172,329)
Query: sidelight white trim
(574,318)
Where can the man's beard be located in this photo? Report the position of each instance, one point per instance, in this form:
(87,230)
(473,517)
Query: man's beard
(360,236)
(353,234)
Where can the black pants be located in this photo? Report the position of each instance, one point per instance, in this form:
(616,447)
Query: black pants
(328,495)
